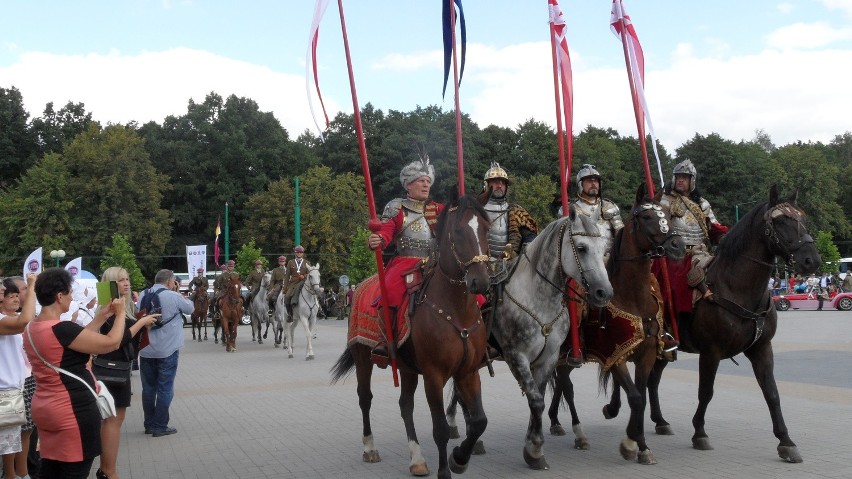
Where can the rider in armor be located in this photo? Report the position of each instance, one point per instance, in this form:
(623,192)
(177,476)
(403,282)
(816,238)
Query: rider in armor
(296,272)
(589,200)
(409,224)
(694,221)
(277,282)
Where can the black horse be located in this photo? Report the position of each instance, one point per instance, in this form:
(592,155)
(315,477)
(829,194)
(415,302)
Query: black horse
(742,316)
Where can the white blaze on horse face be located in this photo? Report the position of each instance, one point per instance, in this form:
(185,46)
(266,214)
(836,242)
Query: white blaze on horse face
(474,225)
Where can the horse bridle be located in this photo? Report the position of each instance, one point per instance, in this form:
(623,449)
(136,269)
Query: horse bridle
(566,225)
(658,250)
(775,244)
(463,265)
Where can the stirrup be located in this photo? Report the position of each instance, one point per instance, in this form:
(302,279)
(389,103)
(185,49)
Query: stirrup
(669,343)
(379,356)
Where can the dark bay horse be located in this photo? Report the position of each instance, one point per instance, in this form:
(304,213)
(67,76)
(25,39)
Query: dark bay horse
(447,340)
(742,316)
(629,328)
(199,313)
(231,307)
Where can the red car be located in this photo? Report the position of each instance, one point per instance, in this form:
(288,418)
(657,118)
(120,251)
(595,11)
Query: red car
(809,302)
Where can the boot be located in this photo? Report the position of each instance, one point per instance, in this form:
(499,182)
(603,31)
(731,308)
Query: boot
(289,313)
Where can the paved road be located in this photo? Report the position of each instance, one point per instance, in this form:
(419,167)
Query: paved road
(258,414)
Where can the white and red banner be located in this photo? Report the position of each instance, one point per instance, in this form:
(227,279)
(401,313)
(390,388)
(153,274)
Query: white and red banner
(196,258)
(311,68)
(74,267)
(563,69)
(619,22)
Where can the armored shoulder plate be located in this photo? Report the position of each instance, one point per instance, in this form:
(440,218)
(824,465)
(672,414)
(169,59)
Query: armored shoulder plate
(609,210)
(392,209)
(705,207)
(413,205)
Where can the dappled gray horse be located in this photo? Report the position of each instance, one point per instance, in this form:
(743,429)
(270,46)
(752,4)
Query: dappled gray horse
(259,309)
(532,321)
(305,312)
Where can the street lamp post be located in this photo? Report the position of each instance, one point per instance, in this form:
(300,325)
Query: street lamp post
(57,254)
(737,209)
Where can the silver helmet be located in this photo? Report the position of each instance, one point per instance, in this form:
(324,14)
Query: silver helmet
(586,171)
(685,167)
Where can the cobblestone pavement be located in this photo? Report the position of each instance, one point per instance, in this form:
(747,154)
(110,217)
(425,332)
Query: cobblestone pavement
(258,414)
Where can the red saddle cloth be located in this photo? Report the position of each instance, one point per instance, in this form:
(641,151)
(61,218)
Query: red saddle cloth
(610,335)
(365,325)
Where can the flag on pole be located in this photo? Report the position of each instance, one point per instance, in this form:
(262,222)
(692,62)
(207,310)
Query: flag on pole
(74,267)
(619,21)
(216,242)
(311,75)
(563,64)
(33,263)
(447,22)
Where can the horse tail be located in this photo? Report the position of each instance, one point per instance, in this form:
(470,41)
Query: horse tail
(603,380)
(344,365)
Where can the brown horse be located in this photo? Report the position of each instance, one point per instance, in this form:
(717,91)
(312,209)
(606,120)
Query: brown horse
(742,316)
(199,314)
(629,327)
(447,340)
(231,307)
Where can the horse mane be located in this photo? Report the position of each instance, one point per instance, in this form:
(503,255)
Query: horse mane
(741,234)
(463,203)
(615,250)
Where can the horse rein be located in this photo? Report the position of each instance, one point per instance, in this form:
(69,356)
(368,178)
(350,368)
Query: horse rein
(790,211)
(658,250)
(463,265)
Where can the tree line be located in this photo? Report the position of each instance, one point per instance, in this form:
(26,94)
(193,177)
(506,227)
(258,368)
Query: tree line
(68,182)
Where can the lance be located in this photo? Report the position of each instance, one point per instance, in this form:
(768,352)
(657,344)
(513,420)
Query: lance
(640,127)
(459,148)
(564,140)
(375,225)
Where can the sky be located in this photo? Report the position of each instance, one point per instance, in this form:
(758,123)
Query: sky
(730,67)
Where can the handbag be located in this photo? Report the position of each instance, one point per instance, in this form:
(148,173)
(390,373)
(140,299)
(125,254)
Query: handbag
(103,398)
(112,372)
(12,409)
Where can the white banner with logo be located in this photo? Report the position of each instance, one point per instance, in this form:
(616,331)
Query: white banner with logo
(74,267)
(33,263)
(196,258)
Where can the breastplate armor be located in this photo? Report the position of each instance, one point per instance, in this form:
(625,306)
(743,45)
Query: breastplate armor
(415,238)
(683,222)
(604,225)
(498,235)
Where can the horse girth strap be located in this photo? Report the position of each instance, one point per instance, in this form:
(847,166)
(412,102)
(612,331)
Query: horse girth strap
(737,310)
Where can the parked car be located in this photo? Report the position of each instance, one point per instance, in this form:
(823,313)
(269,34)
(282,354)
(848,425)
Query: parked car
(809,302)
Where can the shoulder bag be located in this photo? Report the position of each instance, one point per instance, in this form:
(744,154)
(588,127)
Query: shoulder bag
(106,404)
(12,410)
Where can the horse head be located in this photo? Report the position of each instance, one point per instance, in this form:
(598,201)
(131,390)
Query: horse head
(581,254)
(786,234)
(652,227)
(462,235)
(313,280)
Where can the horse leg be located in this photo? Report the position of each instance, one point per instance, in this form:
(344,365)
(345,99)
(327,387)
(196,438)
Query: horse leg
(408,382)
(433,385)
(291,327)
(708,365)
(635,440)
(225,334)
(451,414)
(192,324)
(204,321)
(610,410)
(662,426)
(763,364)
(564,388)
(534,446)
(364,373)
(306,323)
(469,390)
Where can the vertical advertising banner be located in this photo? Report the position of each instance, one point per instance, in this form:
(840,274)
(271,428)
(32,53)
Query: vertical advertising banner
(196,258)
(33,263)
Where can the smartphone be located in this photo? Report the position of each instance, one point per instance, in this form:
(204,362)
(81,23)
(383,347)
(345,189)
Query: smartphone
(107,291)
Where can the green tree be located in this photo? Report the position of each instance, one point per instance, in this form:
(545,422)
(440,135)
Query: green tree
(828,252)
(17,143)
(535,195)
(362,260)
(245,258)
(120,253)
(53,130)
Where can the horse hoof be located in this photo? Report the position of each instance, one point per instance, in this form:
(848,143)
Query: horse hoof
(418,470)
(372,456)
(628,449)
(478,448)
(454,432)
(701,443)
(290,356)
(557,430)
(455,466)
(276,345)
(259,341)
(664,430)
(789,454)
(539,463)
(252,340)
(216,341)
(581,443)
(310,358)
(647,458)
(607,414)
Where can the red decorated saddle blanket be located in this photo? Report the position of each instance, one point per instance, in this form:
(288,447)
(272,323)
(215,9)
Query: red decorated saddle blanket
(366,326)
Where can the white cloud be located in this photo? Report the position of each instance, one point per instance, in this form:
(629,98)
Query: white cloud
(785,7)
(844,5)
(807,35)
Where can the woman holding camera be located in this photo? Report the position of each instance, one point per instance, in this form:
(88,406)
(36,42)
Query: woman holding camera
(111,427)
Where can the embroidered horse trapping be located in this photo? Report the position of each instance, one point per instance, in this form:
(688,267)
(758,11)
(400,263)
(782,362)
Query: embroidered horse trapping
(366,326)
